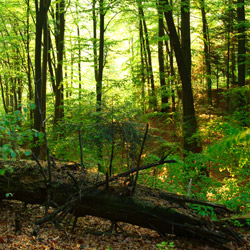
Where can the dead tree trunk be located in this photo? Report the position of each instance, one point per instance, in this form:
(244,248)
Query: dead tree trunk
(80,193)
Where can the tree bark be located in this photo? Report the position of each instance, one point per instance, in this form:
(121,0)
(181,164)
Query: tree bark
(79,62)
(164,94)
(189,119)
(241,50)
(164,212)
(241,42)
(3,97)
(152,96)
(31,94)
(59,37)
(206,51)
(142,67)
(41,14)
(100,59)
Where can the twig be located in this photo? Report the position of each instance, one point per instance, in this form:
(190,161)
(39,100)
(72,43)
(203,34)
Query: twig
(112,147)
(139,160)
(73,178)
(131,171)
(81,152)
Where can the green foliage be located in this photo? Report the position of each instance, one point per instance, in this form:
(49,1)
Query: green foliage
(14,135)
(204,211)
(99,130)
(165,245)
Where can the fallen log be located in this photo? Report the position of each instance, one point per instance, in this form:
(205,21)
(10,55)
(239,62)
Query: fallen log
(82,193)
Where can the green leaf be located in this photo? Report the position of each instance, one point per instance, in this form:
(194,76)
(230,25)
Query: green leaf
(27,153)
(7,195)
(32,106)
(13,154)
(2,171)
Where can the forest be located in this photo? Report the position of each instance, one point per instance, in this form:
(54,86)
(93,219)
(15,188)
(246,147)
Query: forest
(125,124)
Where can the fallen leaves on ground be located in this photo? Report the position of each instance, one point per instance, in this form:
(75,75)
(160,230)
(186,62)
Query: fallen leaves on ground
(90,233)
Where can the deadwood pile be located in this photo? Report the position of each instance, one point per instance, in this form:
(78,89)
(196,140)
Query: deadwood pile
(71,190)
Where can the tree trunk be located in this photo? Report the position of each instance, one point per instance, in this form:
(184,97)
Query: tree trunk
(142,67)
(172,73)
(164,94)
(241,42)
(79,63)
(206,51)
(189,119)
(152,97)
(41,14)
(241,49)
(100,59)
(30,95)
(59,37)
(95,40)
(3,97)
(164,212)
(145,57)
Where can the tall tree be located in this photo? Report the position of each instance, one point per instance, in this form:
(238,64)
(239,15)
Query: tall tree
(206,40)
(100,67)
(152,97)
(142,65)
(241,42)
(190,142)
(164,96)
(59,38)
(41,17)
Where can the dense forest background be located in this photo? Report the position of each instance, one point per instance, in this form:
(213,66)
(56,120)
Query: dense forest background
(114,84)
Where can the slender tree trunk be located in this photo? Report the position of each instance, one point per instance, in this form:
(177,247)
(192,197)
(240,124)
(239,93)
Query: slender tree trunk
(44,68)
(189,119)
(152,97)
(7,95)
(79,62)
(3,97)
(228,64)
(30,93)
(19,94)
(144,51)
(51,64)
(95,40)
(206,51)
(100,59)
(241,42)
(241,50)
(41,14)
(142,68)
(164,95)
(59,36)
(172,73)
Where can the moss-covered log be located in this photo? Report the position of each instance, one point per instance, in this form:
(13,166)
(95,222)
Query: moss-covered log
(81,193)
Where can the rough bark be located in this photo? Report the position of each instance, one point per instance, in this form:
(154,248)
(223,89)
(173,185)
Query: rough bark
(80,193)
(41,17)
(189,120)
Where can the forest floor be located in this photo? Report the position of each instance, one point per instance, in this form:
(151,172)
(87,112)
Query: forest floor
(90,233)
